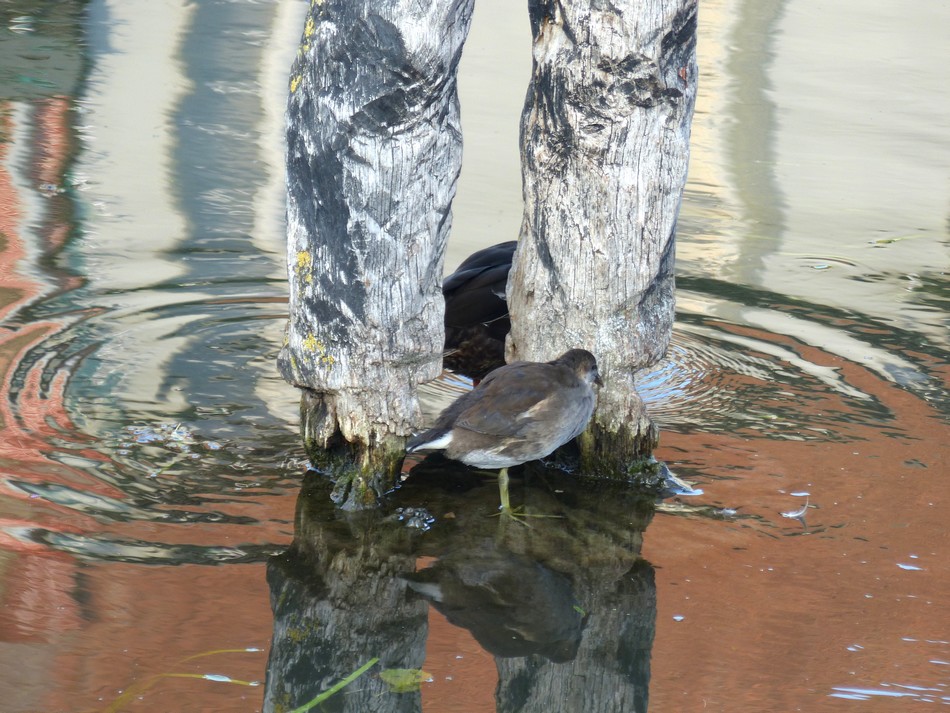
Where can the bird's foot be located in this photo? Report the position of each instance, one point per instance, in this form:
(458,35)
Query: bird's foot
(519,515)
(506,511)
(515,514)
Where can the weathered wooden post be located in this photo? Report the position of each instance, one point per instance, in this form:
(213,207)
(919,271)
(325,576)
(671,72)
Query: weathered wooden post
(373,154)
(605,147)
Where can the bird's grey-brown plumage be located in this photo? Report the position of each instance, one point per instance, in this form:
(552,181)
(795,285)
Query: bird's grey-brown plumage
(520,412)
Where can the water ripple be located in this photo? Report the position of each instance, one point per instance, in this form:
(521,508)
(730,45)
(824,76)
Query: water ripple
(718,378)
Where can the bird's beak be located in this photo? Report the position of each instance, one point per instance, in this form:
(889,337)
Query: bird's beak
(597,379)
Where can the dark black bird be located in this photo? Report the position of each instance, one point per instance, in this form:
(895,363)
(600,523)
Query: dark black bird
(476,311)
(520,412)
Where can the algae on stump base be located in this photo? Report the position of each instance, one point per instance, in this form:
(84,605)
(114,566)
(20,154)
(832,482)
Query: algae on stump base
(362,472)
(619,447)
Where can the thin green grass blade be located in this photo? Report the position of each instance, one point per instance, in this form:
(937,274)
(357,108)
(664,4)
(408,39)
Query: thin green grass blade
(335,688)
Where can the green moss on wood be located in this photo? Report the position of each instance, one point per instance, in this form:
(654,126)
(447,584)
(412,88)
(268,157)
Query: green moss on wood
(625,453)
(362,472)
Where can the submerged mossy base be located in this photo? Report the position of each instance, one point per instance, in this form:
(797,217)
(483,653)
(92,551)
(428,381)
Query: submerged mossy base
(362,472)
(623,454)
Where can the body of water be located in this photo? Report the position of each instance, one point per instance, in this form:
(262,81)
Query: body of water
(163,547)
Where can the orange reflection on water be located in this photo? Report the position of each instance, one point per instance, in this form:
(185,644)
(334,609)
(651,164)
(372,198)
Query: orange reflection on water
(787,613)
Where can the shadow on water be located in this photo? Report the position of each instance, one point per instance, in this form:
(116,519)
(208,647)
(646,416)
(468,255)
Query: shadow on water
(565,605)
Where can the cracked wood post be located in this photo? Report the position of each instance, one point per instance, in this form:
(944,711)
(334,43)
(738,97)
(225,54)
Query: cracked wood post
(373,154)
(605,148)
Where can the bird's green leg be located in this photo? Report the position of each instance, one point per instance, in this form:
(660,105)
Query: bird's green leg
(506,511)
(503,491)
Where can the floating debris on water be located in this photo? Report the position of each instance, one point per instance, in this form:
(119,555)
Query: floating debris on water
(405,680)
(416,518)
(797,514)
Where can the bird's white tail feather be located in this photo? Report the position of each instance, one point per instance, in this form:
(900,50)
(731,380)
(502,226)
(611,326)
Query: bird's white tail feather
(436,444)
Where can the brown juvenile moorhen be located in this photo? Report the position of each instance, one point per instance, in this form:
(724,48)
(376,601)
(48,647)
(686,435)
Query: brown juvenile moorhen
(520,412)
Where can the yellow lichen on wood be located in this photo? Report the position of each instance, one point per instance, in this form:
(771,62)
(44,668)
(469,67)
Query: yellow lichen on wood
(295,82)
(304,259)
(314,346)
(308,31)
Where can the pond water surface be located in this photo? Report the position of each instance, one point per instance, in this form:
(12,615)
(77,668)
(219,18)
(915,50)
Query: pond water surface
(163,547)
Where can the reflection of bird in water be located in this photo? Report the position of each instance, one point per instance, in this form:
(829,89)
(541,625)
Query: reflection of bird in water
(520,412)
(513,605)
(476,312)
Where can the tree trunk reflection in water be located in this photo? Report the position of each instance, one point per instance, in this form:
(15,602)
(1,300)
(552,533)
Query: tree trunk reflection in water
(338,601)
(565,605)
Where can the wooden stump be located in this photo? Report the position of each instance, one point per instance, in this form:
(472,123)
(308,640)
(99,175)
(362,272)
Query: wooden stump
(605,148)
(373,154)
